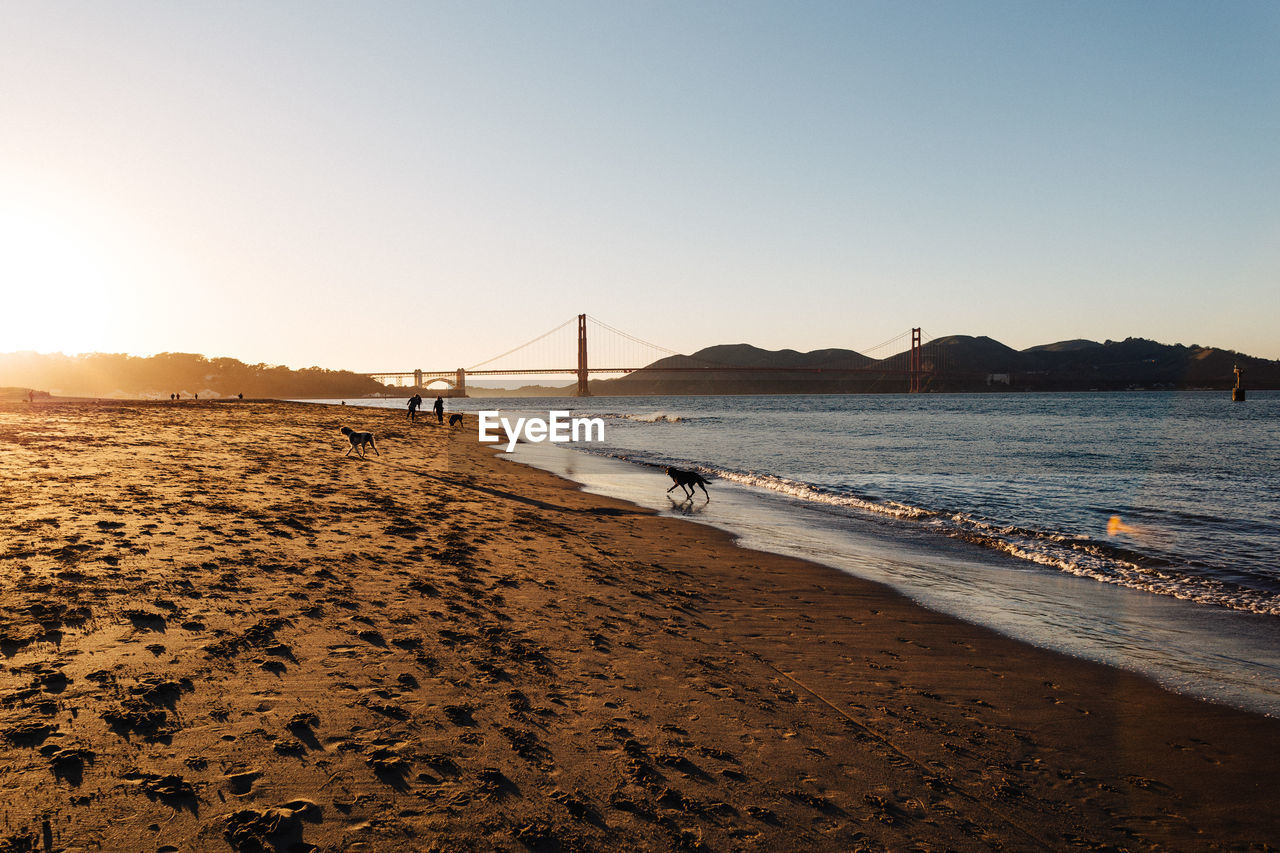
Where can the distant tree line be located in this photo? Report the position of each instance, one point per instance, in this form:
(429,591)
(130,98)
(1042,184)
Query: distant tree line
(120,375)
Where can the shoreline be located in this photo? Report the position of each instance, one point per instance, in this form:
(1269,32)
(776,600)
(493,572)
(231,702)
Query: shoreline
(495,658)
(1221,652)
(1176,644)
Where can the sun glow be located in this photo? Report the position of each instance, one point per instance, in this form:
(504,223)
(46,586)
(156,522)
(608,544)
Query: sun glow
(59,282)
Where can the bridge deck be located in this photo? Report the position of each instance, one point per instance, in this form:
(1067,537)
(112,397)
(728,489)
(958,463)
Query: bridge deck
(442,374)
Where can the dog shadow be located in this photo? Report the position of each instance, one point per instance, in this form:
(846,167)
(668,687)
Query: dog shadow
(687,505)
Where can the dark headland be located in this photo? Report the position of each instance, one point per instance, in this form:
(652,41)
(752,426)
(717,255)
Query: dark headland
(958,363)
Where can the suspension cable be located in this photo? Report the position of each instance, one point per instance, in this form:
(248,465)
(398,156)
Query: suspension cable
(892,340)
(649,344)
(631,337)
(523,345)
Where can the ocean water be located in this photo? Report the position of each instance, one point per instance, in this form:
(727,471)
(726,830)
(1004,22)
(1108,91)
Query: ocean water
(1139,529)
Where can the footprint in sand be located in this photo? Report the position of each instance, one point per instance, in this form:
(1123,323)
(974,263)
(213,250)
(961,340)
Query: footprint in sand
(302,726)
(277,828)
(241,782)
(68,764)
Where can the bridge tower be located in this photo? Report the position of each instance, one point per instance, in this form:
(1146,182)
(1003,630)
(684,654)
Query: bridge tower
(460,385)
(417,378)
(917,361)
(583,389)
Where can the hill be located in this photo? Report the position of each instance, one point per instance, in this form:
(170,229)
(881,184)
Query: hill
(953,363)
(117,375)
(746,369)
(1135,363)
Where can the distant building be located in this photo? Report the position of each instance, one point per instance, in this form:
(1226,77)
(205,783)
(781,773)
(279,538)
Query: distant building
(997,379)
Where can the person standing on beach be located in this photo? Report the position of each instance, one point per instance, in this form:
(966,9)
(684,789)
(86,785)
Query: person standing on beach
(439,409)
(414,402)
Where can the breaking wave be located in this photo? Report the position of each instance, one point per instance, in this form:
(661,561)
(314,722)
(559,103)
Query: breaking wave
(650,418)
(1101,561)
(1075,555)
(816,494)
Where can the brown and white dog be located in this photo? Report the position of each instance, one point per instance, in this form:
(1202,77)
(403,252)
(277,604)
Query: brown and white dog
(359,440)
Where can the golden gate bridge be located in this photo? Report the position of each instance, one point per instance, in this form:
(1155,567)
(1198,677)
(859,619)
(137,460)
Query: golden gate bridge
(625,353)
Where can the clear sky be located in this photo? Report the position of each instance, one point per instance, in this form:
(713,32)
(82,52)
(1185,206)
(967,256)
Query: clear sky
(383,186)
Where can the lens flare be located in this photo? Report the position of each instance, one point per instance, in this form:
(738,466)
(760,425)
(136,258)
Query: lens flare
(1115,526)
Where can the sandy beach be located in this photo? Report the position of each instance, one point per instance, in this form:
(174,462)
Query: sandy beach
(217,632)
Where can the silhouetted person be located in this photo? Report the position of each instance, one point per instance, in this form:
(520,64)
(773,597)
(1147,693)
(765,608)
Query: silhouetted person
(439,409)
(240,396)
(414,402)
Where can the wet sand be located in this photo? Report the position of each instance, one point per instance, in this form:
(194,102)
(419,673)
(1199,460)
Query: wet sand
(217,632)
